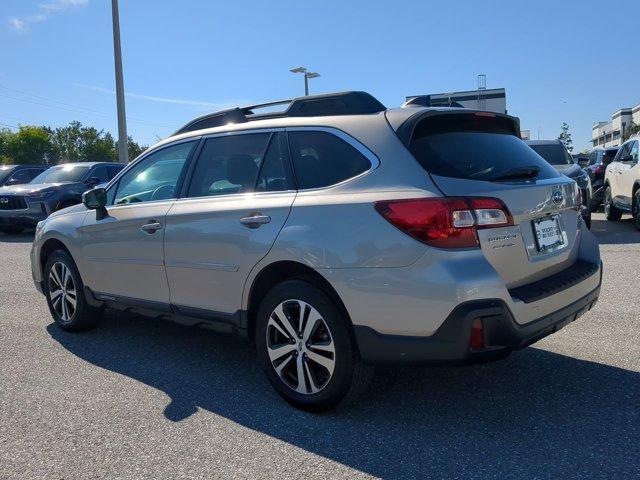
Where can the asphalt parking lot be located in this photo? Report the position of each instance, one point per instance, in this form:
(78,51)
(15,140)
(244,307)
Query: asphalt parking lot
(141,398)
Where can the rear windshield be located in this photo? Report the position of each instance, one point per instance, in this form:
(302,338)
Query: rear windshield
(475,155)
(554,154)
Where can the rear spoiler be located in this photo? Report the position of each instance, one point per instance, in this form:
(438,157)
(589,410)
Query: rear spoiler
(406,129)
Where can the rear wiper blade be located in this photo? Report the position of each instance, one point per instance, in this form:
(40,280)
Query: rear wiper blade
(518,173)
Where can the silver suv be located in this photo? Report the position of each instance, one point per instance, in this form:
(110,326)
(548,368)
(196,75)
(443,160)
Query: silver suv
(336,235)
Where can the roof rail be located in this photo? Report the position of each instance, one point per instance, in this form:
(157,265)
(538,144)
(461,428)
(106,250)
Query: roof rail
(341,103)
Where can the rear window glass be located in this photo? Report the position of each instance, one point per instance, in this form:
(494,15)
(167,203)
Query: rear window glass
(475,155)
(554,154)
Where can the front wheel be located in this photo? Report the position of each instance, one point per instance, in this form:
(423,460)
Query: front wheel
(636,209)
(610,211)
(63,288)
(306,350)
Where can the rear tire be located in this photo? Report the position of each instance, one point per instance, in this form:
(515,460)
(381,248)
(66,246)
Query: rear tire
(610,211)
(636,209)
(64,291)
(290,345)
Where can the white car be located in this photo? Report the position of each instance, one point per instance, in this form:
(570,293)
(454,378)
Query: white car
(622,183)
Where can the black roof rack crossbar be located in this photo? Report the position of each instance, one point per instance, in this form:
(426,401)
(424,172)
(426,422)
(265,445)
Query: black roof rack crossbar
(341,103)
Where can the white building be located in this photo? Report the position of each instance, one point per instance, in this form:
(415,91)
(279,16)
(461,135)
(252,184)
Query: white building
(609,134)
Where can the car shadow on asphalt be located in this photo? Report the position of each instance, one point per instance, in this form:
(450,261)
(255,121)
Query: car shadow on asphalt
(536,414)
(621,232)
(26,237)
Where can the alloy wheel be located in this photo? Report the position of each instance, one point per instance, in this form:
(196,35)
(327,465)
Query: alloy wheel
(300,347)
(62,291)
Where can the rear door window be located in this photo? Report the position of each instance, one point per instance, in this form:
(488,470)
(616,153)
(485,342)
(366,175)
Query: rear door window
(229,164)
(100,173)
(321,159)
(472,149)
(114,170)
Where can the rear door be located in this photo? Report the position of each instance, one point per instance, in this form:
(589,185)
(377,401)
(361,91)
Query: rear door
(482,157)
(237,200)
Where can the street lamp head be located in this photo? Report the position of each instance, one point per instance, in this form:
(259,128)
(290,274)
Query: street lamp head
(298,70)
(312,74)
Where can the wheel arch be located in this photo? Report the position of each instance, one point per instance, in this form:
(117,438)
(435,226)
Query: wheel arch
(48,247)
(281,271)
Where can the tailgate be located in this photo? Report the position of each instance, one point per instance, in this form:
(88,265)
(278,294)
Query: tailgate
(530,249)
(480,154)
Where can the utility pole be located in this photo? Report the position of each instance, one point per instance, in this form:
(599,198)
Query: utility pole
(117,56)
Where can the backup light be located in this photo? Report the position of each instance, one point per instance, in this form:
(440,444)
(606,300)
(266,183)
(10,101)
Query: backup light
(445,222)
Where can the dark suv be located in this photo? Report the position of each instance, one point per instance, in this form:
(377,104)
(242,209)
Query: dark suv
(19,174)
(599,158)
(555,153)
(23,206)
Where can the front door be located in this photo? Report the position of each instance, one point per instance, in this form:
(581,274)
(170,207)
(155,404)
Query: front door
(238,199)
(630,173)
(123,251)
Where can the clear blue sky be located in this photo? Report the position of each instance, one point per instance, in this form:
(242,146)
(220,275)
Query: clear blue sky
(560,61)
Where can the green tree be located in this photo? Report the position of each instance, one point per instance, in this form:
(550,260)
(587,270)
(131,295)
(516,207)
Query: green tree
(29,144)
(76,143)
(565,137)
(631,130)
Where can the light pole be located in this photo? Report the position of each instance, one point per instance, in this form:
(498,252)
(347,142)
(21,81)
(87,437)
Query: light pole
(117,56)
(307,76)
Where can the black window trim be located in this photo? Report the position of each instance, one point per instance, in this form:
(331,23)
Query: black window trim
(196,157)
(374,161)
(115,181)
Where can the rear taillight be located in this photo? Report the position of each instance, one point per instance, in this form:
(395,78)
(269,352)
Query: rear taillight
(445,222)
(599,169)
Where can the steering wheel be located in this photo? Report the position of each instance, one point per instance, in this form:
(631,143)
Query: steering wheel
(163,192)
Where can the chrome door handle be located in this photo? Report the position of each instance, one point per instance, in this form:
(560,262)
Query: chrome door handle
(254,221)
(151,227)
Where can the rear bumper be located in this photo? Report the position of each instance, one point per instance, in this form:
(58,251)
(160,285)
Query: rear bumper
(449,345)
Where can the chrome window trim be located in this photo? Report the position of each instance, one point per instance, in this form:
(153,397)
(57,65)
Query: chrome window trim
(374,161)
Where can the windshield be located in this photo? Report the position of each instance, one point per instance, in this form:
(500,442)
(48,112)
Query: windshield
(62,173)
(5,171)
(555,154)
(476,155)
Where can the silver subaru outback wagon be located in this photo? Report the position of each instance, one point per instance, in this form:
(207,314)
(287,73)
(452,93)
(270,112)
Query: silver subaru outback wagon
(336,234)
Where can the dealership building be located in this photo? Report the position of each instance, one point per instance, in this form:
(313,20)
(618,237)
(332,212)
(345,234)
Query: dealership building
(486,99)
(610,134)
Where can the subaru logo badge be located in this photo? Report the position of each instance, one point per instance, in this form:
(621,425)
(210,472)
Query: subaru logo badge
(4,200)
(557,197)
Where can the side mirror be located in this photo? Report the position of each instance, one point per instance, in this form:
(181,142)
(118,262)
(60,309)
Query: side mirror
(627,159)
(95,199)
(92,181)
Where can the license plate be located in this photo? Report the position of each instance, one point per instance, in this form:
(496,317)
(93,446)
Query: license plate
(548,233)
